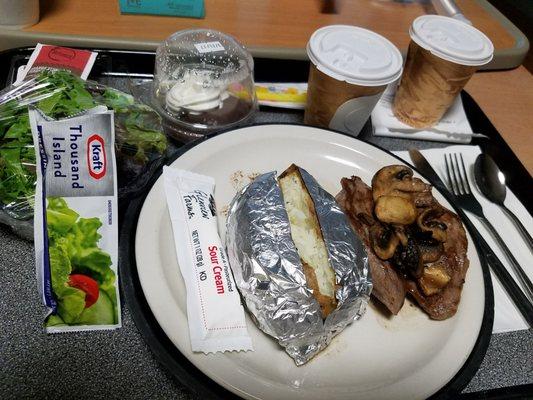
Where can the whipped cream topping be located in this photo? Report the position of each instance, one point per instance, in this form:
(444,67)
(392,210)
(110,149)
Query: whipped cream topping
(195,92)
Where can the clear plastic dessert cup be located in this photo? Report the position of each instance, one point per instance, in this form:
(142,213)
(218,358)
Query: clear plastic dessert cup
(203,83)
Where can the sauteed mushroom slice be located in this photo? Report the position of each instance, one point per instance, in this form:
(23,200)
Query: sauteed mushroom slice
(395,210)
(424,199)
(396,180)
(401,232)
(433,279)
(383,240)
(430,250)
(428,221)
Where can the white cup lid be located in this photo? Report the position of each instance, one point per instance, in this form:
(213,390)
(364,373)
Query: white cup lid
(452,40)
(355,55)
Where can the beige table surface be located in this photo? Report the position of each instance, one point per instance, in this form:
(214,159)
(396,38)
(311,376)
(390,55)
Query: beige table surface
(506,97)
(268,23)
(281,24)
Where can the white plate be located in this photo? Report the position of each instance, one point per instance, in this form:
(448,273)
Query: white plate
(404,357)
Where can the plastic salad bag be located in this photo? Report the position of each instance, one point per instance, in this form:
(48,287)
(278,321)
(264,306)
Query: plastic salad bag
(140,143)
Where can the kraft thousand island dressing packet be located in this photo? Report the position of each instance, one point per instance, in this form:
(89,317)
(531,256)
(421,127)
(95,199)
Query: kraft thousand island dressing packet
(76,220)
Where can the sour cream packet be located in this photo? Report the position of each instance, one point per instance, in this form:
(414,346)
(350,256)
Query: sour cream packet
(214,311)
(76,220)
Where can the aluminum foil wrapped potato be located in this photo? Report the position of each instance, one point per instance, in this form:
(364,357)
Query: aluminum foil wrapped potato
(300,268)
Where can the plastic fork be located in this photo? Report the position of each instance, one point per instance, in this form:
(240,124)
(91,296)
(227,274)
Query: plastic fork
(460,186)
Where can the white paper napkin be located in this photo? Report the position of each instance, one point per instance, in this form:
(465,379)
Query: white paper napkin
(506,316)
(453,126)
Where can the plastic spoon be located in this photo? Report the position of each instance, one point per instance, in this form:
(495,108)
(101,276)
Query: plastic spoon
(491,182)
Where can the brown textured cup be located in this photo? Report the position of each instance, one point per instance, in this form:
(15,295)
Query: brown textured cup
(428,87)
(326,94)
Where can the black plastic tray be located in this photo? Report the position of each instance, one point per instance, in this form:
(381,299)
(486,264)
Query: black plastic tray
(120,68)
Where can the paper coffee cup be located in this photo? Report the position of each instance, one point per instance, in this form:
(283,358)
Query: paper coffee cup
(350,69)
(443,55)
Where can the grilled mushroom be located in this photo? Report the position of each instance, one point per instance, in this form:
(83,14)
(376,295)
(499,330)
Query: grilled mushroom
(383,240)
(428,221)
(395,210)
(397,180)
(433,279)
(430,250)
(400,231)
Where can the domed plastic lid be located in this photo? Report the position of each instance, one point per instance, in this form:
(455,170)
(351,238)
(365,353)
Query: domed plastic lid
(206,46)
(452,40)
(203,80)
(355,55)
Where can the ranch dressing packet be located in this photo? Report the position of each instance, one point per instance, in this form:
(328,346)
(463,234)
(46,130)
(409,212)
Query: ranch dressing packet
(214,310)
(76,220)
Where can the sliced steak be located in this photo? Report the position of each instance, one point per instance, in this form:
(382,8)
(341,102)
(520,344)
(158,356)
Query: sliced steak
(355,199)
(444,304)
(391,286)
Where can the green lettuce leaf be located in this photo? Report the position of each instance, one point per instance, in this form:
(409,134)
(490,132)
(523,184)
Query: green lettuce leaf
(138,136)
(59,217)
(54,320)
(70,301)
(87,229)
(70,305)
(60,267)
(116,100)
(95,263)
(16,182)
(82,235)
(19,130)
(48,104)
